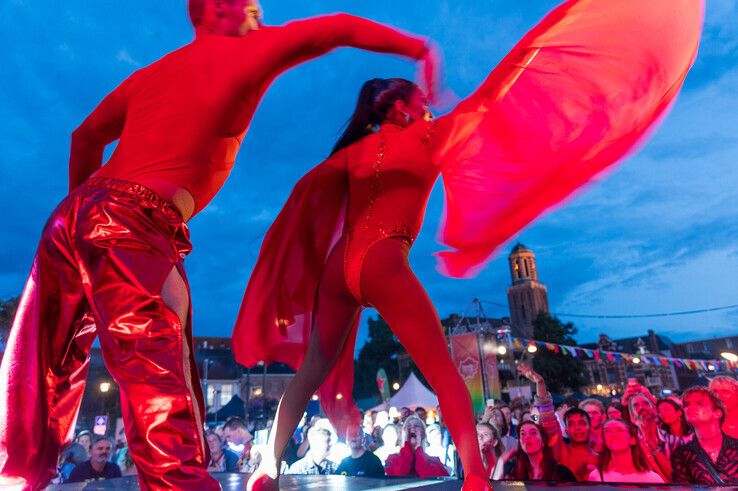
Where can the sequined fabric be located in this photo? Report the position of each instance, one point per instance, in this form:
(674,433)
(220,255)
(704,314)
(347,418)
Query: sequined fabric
(99,270)
(390,177)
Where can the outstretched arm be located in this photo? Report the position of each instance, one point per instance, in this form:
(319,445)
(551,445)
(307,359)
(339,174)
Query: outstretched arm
(103,126)
(544,403)
(306,39)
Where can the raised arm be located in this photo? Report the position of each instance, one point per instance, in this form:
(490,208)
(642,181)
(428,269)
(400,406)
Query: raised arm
(103,126)
(303,40)
(544,403)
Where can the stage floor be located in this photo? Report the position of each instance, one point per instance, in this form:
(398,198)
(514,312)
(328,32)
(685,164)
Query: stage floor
(233,482)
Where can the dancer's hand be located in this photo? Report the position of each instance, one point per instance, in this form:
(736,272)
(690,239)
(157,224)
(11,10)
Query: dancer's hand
(429,73)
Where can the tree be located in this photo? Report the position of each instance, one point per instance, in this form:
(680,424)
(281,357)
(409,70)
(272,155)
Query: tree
(560,371)
(379,351)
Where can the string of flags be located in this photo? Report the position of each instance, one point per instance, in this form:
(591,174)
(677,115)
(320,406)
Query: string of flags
(613,356)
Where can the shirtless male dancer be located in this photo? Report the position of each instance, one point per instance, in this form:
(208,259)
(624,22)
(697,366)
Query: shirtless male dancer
(110,262)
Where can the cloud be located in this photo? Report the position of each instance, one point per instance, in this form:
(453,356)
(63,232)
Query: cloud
(125,57)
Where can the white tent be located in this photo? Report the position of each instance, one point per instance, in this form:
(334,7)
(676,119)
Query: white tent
(413,394)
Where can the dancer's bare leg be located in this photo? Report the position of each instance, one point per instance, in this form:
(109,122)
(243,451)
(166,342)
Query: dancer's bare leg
(334,315)
(389,285)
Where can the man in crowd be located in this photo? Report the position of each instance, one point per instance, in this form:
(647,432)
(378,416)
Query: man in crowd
(221,459)
(711,458)
(596,411)
(360,462)
(97,467)
(420,412)
(238,439)
(110,263)
(578,455)
(316,461)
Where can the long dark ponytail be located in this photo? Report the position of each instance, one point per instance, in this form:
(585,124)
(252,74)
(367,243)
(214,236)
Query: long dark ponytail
(376,97)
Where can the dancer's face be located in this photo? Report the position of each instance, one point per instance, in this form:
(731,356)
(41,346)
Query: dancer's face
(417,107)
(238,17)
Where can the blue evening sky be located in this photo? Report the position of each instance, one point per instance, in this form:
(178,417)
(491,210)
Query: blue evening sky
(659,234)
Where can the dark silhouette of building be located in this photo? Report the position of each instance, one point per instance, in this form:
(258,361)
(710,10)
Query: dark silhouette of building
(607,375)
(526,296)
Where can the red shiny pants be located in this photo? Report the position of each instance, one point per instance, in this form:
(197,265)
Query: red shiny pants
(99,270)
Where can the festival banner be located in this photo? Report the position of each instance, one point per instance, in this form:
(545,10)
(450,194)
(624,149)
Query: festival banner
(492,375)
(465,353)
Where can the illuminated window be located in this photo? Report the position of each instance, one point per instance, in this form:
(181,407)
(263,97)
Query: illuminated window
(226,394)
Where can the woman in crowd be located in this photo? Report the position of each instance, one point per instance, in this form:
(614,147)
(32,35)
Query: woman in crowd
(622,460)
(657,444)
(577,455)
(490,444)
(672,418)
(412,460)
(726,389)
(534,459)
(498,420)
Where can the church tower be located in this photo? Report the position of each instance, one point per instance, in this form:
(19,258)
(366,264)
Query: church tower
(526,297)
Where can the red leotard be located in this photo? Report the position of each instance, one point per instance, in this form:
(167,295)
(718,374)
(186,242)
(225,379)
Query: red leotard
(181,120)
(390,177)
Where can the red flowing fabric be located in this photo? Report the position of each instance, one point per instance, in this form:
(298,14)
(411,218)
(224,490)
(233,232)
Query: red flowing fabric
(578,93)
(274,322)
(276,315)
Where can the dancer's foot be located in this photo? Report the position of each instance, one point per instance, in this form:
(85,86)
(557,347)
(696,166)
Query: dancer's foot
(262,480)
(476,483)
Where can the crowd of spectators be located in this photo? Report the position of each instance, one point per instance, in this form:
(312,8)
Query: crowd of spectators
(637,438)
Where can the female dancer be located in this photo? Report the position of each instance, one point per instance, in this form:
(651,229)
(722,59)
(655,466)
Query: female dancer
(390,175)
(559,109)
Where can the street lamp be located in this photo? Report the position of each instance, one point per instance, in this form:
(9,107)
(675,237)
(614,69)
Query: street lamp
(502,350)
(396,386)
(730,356)
(104,387)
(532,348)
(636,360)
